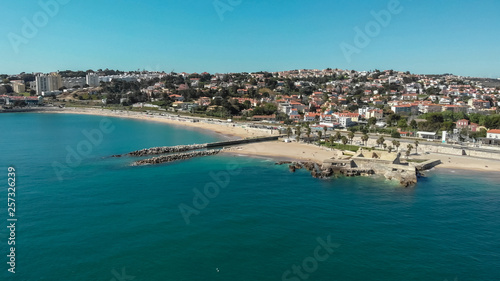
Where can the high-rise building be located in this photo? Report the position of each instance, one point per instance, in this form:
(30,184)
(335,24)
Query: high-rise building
(93,79)
(48,83)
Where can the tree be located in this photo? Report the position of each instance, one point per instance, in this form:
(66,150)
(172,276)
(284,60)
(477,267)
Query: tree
(372,121)
(410,147)
(351,136)
(380,141)
(416,147)
(344,140)
(297,132)
(288,132)
(385,145)
(325,128)
(390,148)
(332,140)
(413,124)
(308,132)
(365,139)
(396,144)
(320,133)
(407,153)
(338,136)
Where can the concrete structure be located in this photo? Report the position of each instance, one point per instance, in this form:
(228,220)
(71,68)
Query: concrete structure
(70,82)
(18,86)
(92,79)
(48,83)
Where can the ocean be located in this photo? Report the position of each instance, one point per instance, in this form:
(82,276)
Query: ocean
(82,215)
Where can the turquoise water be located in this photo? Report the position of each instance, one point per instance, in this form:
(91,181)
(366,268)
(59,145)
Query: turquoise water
(101,218)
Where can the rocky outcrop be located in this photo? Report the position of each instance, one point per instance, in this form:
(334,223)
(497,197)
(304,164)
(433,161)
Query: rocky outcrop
(405,175)
(175,157)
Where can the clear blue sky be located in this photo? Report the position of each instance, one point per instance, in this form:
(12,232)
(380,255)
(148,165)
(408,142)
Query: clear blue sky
(448,36)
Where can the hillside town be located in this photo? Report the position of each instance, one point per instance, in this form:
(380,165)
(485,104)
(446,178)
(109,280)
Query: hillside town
(400,104)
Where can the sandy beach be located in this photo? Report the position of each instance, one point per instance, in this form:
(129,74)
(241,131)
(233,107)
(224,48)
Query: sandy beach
(462,162)
(278,149)
(282,150)
(226,129)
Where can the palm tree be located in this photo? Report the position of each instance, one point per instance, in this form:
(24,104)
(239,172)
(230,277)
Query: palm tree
(308,134)
(288,132)
(325,128)
(380,141)
(397,145)
(407,153)
(410,147)
(390,148)
(416,147)
(394,142)
(385,145)
(332,139)
(350,135)
(338,136)
(320,133)
(344,140)
(365,138)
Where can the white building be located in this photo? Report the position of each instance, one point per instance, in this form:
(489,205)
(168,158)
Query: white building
(70,82)
(92,79)
(345,121)
(48,83)
(493,134)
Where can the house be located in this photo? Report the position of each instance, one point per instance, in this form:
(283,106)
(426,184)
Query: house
(462,124)
(311,116)
(493,134)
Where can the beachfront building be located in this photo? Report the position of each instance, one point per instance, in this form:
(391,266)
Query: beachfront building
(493,134)
(48,83)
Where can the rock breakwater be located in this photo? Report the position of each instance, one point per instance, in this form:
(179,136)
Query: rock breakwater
(175,157)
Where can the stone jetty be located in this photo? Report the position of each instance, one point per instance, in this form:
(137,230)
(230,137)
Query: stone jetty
(175,157)
(164,150)
(182,148)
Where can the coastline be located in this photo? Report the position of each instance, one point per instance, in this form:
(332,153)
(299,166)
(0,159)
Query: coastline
(276,149)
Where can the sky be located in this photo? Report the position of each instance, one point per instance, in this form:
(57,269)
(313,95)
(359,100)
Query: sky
(425,37)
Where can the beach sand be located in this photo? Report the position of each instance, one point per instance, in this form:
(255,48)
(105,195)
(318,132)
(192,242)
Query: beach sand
(226,129)
(282,150)
(462,162)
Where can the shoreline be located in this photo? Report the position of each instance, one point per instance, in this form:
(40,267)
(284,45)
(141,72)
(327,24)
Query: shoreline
(276,150)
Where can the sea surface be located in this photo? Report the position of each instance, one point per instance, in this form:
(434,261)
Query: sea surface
(85,216)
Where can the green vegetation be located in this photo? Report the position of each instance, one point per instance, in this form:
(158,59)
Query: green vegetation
(353,148)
